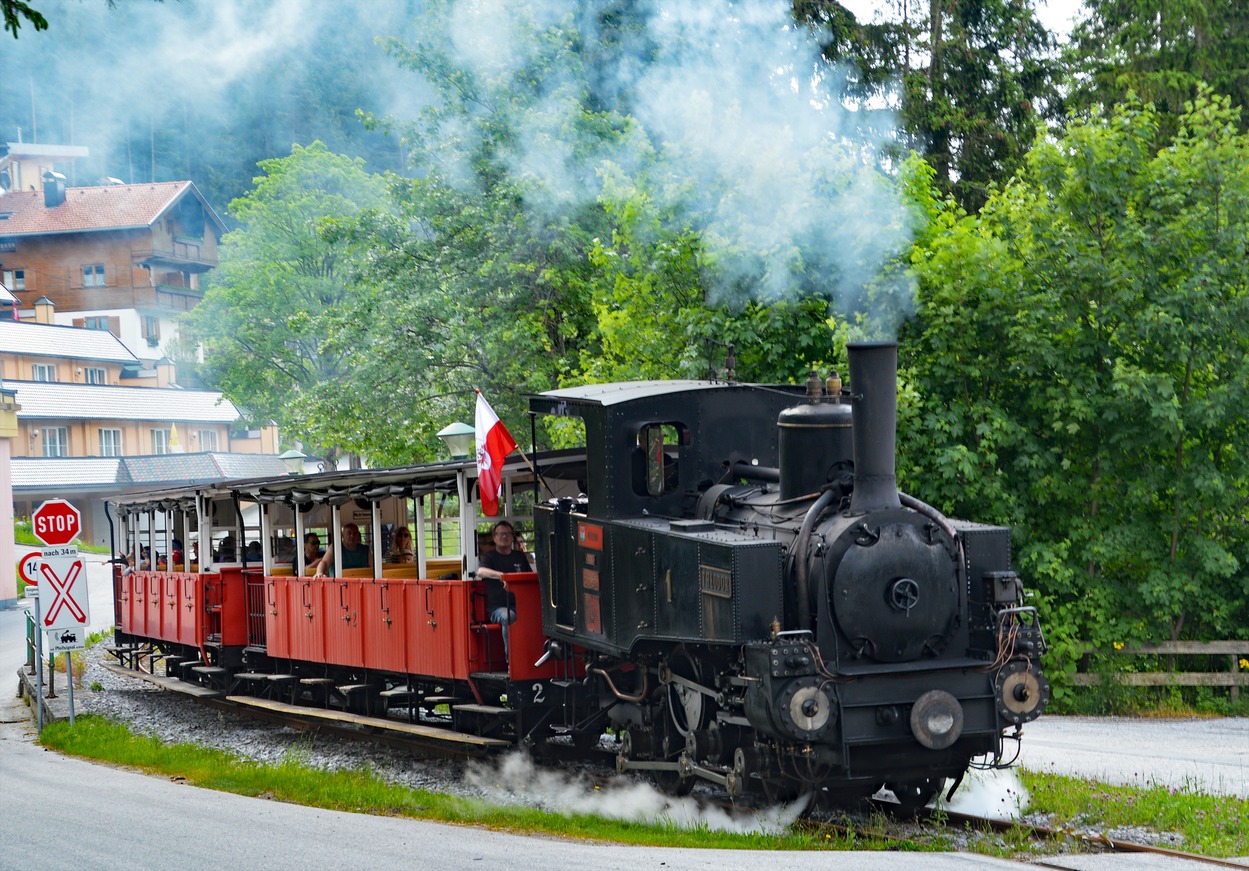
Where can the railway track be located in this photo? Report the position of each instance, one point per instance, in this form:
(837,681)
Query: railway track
(424,740)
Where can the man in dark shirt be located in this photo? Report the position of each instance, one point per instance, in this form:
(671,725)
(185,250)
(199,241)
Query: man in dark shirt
(508,556)
(355,553)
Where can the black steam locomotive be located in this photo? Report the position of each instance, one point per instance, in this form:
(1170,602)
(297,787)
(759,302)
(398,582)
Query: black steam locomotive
(763,609)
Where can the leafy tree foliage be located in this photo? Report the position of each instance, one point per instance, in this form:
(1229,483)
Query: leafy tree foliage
(282,322)
(1082,359)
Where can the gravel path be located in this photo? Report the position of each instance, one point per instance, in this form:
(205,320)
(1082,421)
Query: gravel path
(150,710)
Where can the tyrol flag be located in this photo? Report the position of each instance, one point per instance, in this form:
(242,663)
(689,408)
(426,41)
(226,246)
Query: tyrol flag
(494,443)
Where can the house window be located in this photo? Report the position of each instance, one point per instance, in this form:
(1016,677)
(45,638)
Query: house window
(15,279)
(151,329)
(110,443)
(160,441)
(93,275)
(208,440)
(95,375)
(42,372)
(96,323)
(55,441)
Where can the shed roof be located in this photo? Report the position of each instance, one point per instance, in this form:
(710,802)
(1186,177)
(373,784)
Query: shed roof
(70,473)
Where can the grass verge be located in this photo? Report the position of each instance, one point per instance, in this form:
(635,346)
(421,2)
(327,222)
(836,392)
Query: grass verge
(361,791)
(1210,825)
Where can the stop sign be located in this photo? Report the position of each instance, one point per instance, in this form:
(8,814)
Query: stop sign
(56,522)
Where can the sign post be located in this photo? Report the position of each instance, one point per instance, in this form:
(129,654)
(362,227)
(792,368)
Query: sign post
(60,572)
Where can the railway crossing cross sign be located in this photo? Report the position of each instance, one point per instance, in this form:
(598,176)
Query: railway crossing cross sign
(60,573)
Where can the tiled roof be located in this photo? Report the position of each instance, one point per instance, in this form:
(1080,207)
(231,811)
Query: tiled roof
(31,472)
(44,400)
(50,340)
(79,473)
(88,209)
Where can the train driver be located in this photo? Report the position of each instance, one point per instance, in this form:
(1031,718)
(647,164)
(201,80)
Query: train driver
(508,556)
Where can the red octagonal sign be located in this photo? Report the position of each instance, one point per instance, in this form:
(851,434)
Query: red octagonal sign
(56,522)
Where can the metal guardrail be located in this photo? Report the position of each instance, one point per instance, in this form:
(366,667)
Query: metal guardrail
(1234,677)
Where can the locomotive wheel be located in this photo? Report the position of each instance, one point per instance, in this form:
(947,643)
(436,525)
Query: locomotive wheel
(673,744)
(779,790)
(914,794)
(686,707)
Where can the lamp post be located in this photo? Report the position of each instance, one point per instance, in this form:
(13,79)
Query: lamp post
(294,461)
(460,439)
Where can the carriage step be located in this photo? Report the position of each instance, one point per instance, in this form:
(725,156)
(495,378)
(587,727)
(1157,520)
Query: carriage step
(280,678)
(491,710)
(252,675)
(490,675)
(397,693)
(316,681)
(354,688)
(115,649)
(431,701)
(209,669)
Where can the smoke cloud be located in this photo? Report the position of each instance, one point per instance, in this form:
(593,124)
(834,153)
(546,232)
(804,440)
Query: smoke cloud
(733,117)
(739,128)
(516,780)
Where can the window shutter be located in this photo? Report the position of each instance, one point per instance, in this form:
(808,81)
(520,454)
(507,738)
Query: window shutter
(114,325)
(80,322)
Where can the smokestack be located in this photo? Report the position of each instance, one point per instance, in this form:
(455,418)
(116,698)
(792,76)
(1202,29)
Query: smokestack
(53,189)
(874,388)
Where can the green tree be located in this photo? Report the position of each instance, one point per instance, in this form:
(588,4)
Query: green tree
(1082,357)
(1161,51)
(972,79)
(15,10)
(282,322)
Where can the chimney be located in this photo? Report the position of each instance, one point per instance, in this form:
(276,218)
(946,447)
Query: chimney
(53,189)
(166,372)
(45,311)
(874,388)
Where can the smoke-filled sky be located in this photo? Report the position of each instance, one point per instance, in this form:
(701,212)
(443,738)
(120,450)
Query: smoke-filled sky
(731,95)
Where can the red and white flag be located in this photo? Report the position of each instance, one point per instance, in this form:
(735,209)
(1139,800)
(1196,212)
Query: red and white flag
(494,443)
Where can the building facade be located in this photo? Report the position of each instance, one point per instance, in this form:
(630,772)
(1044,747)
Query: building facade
(92,282)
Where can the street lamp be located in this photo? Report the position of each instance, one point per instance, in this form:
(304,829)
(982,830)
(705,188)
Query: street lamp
(294,461)
(460,439)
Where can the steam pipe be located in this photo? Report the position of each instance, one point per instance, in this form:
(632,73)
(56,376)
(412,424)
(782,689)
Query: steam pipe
(742,469)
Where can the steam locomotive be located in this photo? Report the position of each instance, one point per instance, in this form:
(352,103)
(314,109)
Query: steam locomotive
(727,578)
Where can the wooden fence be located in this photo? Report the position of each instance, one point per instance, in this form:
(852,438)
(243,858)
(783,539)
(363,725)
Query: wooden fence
(1234,677)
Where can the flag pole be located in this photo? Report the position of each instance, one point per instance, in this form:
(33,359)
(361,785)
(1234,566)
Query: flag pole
(535,471)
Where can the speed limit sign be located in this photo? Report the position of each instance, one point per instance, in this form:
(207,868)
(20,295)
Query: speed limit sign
(28,566)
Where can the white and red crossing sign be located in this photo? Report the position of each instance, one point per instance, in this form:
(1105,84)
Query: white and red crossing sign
(59,572)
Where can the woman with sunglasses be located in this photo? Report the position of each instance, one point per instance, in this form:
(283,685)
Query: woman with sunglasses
(401,547)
